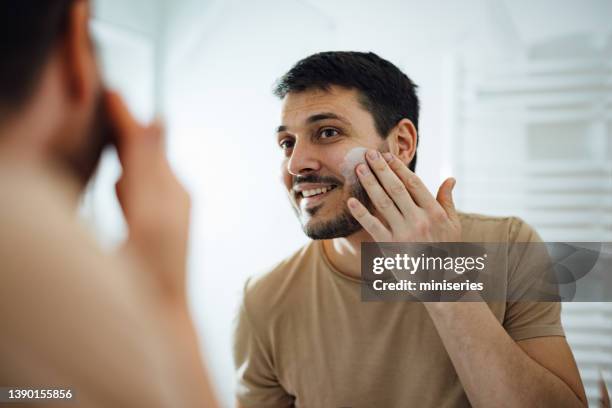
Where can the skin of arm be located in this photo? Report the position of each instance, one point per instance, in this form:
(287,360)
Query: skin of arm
(496,370)
(493,368)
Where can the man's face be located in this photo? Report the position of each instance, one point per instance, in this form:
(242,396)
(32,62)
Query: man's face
(318,134)
(87,127)
(83,157)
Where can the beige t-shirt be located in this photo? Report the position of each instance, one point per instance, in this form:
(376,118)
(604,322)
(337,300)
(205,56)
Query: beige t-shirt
(73,317)
(305,338)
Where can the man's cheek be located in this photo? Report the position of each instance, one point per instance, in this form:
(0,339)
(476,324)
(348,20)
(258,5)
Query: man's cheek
(285,176)
(351,159)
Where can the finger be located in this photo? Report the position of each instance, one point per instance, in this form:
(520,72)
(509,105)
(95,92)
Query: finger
(158,126)
(119,191)
(133,139)
(370,223)
(138,147)
(125,123)
(391,182)
(420,194)
(383,203)
(445,196)
(154,136)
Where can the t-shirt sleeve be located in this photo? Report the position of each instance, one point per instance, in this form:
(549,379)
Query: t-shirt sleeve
(257,382)
(528,319)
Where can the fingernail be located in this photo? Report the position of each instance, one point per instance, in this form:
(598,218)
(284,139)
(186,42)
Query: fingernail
(388,156)
(363,169)
(372,154)
(352,202)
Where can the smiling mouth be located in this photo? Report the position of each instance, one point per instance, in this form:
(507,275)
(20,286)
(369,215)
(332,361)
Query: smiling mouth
(316,192)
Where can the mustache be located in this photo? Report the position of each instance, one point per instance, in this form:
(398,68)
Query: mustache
(315,178)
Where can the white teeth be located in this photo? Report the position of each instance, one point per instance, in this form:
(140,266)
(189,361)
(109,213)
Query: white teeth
(315,191)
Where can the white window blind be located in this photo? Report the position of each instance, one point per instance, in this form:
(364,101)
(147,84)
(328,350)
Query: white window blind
(533,138)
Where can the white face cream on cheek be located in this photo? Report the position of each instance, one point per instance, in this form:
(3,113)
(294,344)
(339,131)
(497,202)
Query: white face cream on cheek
(352,158)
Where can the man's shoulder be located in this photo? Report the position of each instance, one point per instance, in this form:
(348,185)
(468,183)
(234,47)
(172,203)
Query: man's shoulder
(489,228)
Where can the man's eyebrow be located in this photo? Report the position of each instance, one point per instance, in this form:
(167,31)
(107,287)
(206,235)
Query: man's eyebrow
(316,118)
(323,116)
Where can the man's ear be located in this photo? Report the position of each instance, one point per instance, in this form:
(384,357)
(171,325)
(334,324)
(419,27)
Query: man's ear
(402,140)
(80,63)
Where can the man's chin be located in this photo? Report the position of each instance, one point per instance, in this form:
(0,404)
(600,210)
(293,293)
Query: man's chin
(339,227)
(317,224)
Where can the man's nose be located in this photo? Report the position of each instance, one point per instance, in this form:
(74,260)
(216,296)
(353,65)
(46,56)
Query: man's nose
(303,159)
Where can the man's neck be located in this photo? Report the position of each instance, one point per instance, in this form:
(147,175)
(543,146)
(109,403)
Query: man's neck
(345,253)
(21,152)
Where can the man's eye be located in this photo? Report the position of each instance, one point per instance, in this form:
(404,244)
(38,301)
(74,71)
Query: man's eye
(328,132)
(286,144)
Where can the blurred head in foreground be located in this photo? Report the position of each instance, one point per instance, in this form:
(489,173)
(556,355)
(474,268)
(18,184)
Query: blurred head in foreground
(51,99)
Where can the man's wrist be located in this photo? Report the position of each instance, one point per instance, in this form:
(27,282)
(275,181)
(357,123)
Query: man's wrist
(165,277)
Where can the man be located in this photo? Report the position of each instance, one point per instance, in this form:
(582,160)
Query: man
(111,331)
(305,338)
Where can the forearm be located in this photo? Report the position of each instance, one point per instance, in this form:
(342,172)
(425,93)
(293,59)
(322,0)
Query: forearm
(192,386)
(492,368)
(185,375)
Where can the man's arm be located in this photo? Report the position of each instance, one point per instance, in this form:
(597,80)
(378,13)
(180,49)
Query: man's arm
(497,371)
(493,368)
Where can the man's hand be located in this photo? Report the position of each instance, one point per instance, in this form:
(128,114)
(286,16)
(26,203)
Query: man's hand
(494,370)
(410,213)
(155,205)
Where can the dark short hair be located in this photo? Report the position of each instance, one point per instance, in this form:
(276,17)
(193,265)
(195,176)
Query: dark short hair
(29,29)
(384,91)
